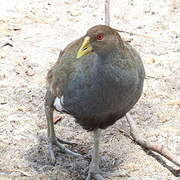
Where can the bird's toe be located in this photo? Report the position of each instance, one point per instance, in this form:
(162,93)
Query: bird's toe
(51,154)
(96,176)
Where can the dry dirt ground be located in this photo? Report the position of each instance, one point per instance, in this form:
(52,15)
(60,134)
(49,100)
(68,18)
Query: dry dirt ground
(31,35)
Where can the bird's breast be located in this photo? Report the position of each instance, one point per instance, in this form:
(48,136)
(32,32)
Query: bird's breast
(101,89)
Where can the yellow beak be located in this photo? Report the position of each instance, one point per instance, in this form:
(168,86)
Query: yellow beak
(85,48)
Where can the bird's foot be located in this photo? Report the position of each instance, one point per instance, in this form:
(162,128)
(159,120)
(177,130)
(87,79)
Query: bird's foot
(94,172)
(96,175)
(59,143)
(119,173)
(100,175)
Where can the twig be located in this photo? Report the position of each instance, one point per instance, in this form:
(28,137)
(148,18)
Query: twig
(6,44)
(124,133)
(152,77)
(160,149)
(107,21)
(7,173)
(107,13)
(141,35)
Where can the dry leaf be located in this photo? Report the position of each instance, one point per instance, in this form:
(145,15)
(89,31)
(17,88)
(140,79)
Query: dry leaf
(163,117)
(30,72)
(152,61)
(75,13)
(58,118)
(36,20)
(20,109)
(176,102)
(176,4)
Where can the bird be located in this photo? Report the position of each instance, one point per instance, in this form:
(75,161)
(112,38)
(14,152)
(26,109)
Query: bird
(97,79)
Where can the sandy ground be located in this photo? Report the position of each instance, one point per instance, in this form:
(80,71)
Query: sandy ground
(33,33)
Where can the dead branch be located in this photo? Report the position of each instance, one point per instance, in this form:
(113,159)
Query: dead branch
(160,149)
(134,132)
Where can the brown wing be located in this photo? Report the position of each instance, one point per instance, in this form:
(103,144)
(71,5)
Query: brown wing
(59,74)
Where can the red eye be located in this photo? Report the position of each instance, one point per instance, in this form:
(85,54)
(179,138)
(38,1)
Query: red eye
(100,36)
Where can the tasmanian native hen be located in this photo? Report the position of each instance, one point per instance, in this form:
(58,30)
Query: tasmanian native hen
(97,79)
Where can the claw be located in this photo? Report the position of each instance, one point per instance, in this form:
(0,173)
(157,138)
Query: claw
(66,150)
(59,144)
(98,177)
(51,153)
(95,176)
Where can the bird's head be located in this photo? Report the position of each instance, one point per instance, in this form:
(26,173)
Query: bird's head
(101,39)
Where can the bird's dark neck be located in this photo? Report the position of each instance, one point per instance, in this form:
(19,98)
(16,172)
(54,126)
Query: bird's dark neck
(116,52)
(114,55)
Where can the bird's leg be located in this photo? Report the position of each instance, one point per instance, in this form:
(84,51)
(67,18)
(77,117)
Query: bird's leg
(94,170)
(52,139)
